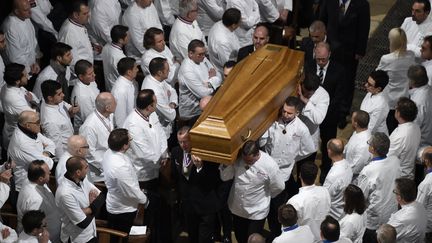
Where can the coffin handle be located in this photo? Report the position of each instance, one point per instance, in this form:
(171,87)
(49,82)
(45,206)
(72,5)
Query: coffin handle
(247,136)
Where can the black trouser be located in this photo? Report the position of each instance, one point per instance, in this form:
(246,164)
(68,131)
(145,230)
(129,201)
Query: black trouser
(122,222)
(200,227)
(328,130)
(244,227)
(370,236)
(391,121)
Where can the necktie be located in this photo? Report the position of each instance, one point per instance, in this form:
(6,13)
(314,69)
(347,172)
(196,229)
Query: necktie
(321,75)
(342,9)
(186,165)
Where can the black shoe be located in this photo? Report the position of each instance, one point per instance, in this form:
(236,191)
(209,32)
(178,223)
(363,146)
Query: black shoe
(226,240)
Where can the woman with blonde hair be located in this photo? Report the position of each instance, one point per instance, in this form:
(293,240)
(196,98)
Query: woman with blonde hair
(396,64)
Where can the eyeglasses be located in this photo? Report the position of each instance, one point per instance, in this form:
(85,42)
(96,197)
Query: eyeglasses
(35,122)
(395,192)
(86,146)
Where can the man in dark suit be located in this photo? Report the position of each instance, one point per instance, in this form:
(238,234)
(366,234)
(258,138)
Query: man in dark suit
(348,23)
(317,33)
(197,184)
(261,37)
(332,77)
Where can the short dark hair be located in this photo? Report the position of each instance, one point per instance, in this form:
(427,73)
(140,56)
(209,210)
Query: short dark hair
(309,172)
(229,64)
(428,39)
(35,170)
(82,66)
(49,88)
(118,32)
(293,101)
(407,189)
(250,148)
(362,118)
(13,72)
(73,164)
(231,16)
(265,26)
(59,49)
(149,36)
(417,75)
(287,215)
(1,32)
(194,44)
(74,6)
(32,219)
(117,139)
(125,64)
(157,64)
(144,98)
(330,228)
(354,200)
(380,77)
(380,142)
(311,81)
(427,5)
(407,109)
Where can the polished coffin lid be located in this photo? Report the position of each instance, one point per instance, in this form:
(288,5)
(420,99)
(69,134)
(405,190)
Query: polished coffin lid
(247,103)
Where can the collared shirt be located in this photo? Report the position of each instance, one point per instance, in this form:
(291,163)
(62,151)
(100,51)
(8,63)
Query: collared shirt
(166,11)
(396,65)
(209,12)
(167,54)
(139,21)
(410,223)
(301,234)
(313,205)
(165,95)
(35,197)
(424,196)
(357,151)
(250,16)
(182,33)
(353,226)
(428,65)
(268,10)
(194,84)
(70,199)
(285,142)
(105,14)
(404,143)
(56,124)
(111,55)
(253,188)
(125,93)
(85,96)
(338,178)
(39,15)
(378,109)
(223,45)
(377,181)
(421,97)
(121,180)
(148,145)
(324,69)
(23,150)
(416,33)
(48,73)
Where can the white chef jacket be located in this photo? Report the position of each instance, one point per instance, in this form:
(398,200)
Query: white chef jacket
(85,97)
(165,94)
(148,145)
(421,96)
(209,12)
(301,234)
(357,151)
(22,46)
(48,73)
(167,54)
(182,33)
(378,109)
(56,124)
(284,148)
(165,11)
(70,199)
(35,197)
(96,129)
(404,143)
(312,204)
(194,84)
(23,150)
(338,178)
(139,20)
(25,238)
(76,36)
(283,4)
(61,167)
(377,181)
(223,45)
(396,68)
(253,188)
(105,14)
(13,103)
(315,111)
(268,10)
(125,95)
(111,55)
(2,82)
(410,223)
(12,238)
(428,65)
(250,16)
(121,180)
(353,226)
(424,196)
(416,33)
(39,16)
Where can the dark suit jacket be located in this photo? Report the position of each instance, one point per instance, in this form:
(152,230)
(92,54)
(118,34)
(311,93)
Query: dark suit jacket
(244,52)
(200,192)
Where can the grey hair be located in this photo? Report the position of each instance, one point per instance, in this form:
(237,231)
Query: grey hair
(317,26)
(185,6)
(380,142)
(386,234)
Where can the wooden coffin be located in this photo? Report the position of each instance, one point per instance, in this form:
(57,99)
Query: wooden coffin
(247,103)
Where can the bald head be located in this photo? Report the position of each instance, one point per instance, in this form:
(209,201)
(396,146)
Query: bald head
(27,116)
(256,238)
(105,102)
(77,146)
(336,146)
(22,9)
